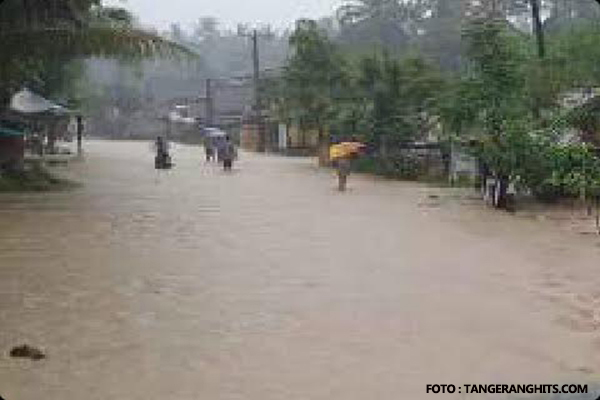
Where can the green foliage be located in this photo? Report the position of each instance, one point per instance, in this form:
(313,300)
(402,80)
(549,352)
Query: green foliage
(396,166)
(574,56)
(36,36)
(381,24)
(574,171)
(586,119)
(491,103)
(313,77)
(394,100)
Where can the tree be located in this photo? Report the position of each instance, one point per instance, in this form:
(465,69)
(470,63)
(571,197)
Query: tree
(398,99)
(496,86)
(36,34)
(313,77)
(586,119)
(573,59)
(441,32)
(381,23)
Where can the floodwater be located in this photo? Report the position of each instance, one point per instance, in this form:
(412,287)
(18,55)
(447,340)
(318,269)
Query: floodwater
(267,284)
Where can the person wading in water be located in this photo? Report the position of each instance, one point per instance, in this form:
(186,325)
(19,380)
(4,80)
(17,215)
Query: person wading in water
(342,155)
(343,168)
(228,153)
(162,159)
(209,148)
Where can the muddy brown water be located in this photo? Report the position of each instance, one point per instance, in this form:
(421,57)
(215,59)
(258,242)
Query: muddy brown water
(267,284)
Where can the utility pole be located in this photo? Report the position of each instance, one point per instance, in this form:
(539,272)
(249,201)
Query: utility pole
(257,97)
(209,104)
(258,116)
(79,134)
(538,28)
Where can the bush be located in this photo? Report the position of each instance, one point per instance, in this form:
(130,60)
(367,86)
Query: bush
(572,170)
(405,166)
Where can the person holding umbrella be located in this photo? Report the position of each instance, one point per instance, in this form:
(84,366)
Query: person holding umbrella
(342,155)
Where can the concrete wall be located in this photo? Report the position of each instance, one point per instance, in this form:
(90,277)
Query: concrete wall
(302,139)
(463,166)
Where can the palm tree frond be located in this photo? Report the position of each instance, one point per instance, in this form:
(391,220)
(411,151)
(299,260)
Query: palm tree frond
(90,41)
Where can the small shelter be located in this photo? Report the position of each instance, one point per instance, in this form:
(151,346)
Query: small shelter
(27,102)
(45,120)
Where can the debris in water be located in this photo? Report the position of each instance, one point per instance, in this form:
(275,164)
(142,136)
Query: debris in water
(26,351)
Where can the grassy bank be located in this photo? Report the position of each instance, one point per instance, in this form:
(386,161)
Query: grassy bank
(34,178)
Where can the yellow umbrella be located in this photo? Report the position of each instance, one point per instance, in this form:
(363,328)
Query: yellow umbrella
(345,150)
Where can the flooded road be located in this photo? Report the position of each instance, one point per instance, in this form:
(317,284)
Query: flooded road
(267,284)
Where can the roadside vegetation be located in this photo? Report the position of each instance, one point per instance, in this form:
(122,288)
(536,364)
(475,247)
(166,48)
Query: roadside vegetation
(491,76)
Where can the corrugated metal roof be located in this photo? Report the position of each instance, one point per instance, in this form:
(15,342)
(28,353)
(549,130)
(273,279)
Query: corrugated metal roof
(27,102)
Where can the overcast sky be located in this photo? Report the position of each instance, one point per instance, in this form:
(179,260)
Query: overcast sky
(279,13)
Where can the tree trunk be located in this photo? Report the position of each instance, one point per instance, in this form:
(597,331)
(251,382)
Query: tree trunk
(323,148)
(538,28)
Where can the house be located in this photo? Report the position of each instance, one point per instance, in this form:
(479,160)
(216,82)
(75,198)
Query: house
(280,137)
